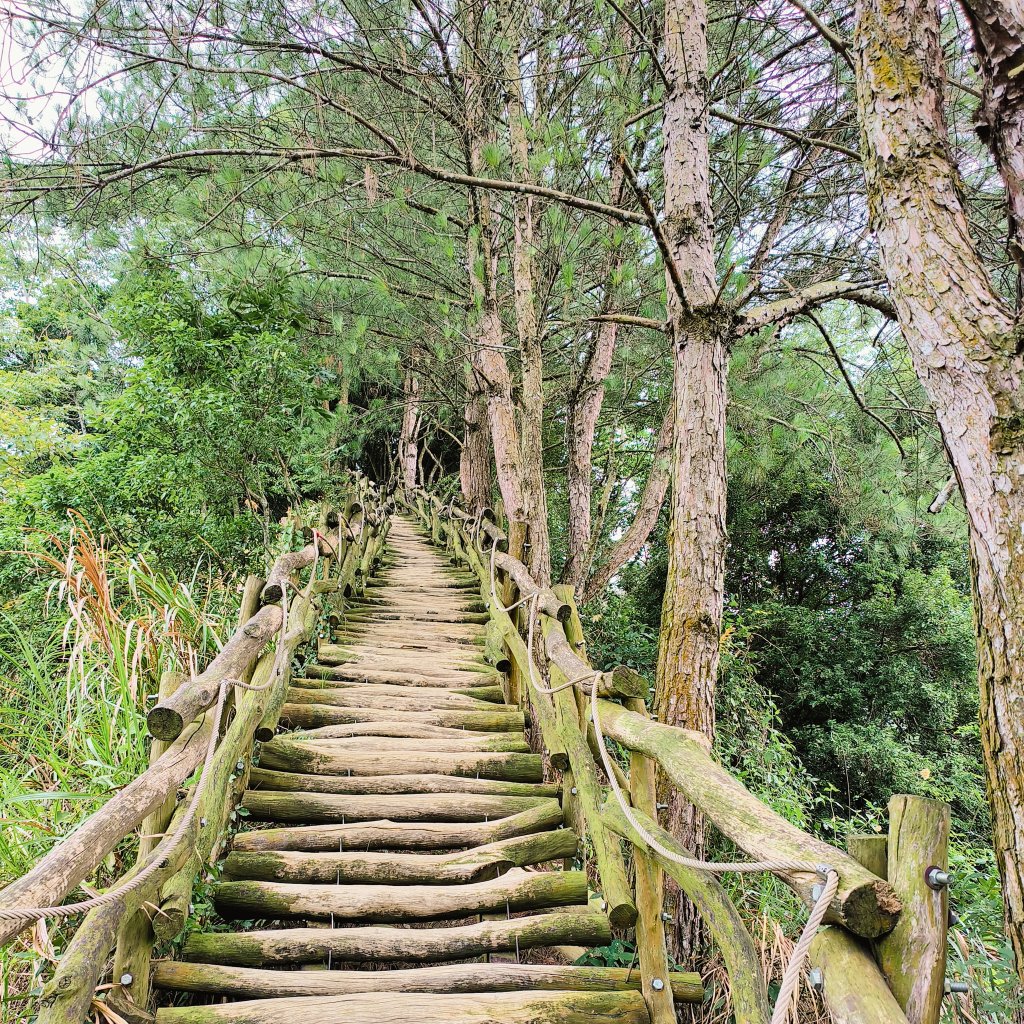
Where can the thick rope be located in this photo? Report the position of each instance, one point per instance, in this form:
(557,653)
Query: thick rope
(791,976)
(26,915)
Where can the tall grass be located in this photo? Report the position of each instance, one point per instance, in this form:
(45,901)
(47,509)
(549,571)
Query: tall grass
(76,679)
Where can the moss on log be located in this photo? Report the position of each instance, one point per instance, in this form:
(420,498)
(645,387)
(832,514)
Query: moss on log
(515,890)
(913,954)
(472,865)
(865,904)
(237,657)
(310,808)
(404,698)
(378,835)
(311,716)
(624,1007)
(728,932)
(253,983)
(299,757)
(268,779)
(855,991)
(379,942)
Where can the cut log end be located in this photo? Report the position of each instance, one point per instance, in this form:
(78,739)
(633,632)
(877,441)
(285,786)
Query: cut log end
(164,723)
(869,910)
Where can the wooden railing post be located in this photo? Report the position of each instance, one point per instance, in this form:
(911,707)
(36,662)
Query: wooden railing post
(133,954)
(913,954)
(650,893)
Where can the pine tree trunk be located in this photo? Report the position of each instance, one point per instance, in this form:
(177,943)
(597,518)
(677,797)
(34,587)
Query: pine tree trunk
(965,349)
(692,610)
(475,457)
(531,411)
(487,347)
(407,447)
(999,45)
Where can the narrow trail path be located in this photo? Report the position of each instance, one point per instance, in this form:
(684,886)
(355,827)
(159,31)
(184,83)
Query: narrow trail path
(400,877)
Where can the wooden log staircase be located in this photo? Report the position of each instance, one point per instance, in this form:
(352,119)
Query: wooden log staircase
(408,822)
(409,812)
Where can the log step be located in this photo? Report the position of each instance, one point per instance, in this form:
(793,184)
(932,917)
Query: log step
(341,807)
(471,865)
(515,890)
(400,698)
(482,743)
(254,983)
(383,835)
(626,1007)
(268,779)
(384,943)
(311,716)
(303,758)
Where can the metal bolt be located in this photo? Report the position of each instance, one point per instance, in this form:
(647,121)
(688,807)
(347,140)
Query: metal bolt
(657,984)
(816,891)
(816,979)
(573,790)
(126,979)
(240,766)
(956,988)
(202,823)
(666,916)
(661,807)
(936,878)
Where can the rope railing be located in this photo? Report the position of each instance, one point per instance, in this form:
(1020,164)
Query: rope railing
(836,887)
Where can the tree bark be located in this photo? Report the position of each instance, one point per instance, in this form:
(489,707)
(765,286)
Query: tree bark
(692,609)
(475,457)
(407,443)
(487,348)
(965,349)
(999,45)
(531,409)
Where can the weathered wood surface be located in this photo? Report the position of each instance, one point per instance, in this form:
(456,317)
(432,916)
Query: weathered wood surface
(611,867)
(340,807)
(236,659)
(650,895)
(78,856)
(392,868)
(871,851)
(268,779)
(728,932)
(913,954)
(865,904)
(376,835)
(471,742)
(855,991)
(382,942)
(514,890)
(254,983)
(303,758)
(312,716)
(391,695)
(624,1007)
